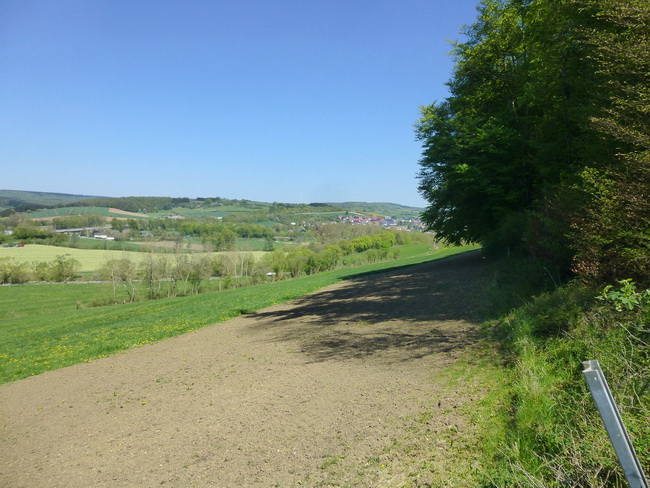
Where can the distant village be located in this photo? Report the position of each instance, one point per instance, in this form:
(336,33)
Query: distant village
(408,224)
(388,222)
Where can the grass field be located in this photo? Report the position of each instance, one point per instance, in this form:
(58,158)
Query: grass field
(100,244)
(90,259)
(219,211)
(253,244)
(45,327)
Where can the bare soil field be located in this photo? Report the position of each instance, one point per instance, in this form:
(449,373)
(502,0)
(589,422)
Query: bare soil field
(344,387)
(124,212)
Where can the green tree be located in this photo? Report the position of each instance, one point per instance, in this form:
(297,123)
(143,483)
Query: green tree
(329,258)
(298,260)
(153,270)
(222,239)
(200,269)
(27,229)
(502,150)
(180,273)
(121,272)
(276,261)
(64,268)
(268,244)
(12,271)
(361,244)
(612,232)
(118,224)
(384,240)
(473,166)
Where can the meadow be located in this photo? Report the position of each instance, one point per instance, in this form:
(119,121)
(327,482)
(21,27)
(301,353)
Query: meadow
(48,326)
(93,259)
(220,211)
(90,259)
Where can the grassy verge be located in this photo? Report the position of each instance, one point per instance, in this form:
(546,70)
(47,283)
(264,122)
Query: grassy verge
(553,436)
(43,328)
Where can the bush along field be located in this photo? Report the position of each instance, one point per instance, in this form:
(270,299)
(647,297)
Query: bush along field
(550,433)
(18,263)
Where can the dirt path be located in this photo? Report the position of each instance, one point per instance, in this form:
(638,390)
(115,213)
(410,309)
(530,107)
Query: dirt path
(322,391)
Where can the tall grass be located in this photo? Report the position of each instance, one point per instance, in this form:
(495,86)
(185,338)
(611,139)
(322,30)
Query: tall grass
(554,436)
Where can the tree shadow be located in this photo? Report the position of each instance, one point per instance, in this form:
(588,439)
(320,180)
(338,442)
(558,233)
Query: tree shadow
(404,314)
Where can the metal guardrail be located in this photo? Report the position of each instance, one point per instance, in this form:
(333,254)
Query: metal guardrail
(614,425)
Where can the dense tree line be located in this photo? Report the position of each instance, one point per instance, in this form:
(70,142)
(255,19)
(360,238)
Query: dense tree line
(179,273)
(17,205)
(612,232)
(129,204)
(163,275)
(543,144)
(29,230)
(157,204)
(293,208)
(78,221)
(543,147)
(221,235)
(160,275)
(219,201)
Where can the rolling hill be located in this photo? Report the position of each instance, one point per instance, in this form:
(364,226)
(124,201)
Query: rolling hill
(22,201)
(33,200)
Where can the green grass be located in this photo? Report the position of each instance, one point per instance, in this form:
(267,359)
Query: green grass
(215,211)
(251,244)
(100,244)
(42,327)
(90,259)
(553,436)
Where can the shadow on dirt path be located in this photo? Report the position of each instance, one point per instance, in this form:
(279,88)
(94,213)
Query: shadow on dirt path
(344,387)
(404,309)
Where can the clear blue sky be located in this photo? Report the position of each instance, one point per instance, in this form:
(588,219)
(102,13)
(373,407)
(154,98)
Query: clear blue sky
(285,100)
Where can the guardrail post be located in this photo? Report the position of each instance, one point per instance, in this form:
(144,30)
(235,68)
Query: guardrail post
(614,425)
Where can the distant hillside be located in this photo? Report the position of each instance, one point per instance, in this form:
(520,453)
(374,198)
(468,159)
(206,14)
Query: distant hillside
(22,201)
(33,200)
(68,211)
(382,208)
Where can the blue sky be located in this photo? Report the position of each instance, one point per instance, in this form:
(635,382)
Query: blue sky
(285,100)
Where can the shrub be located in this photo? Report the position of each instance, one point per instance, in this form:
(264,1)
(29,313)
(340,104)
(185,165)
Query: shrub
(64,268)
(12,271)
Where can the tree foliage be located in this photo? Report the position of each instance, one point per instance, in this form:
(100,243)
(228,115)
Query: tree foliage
(130,204)
(612,231)
(545,134)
